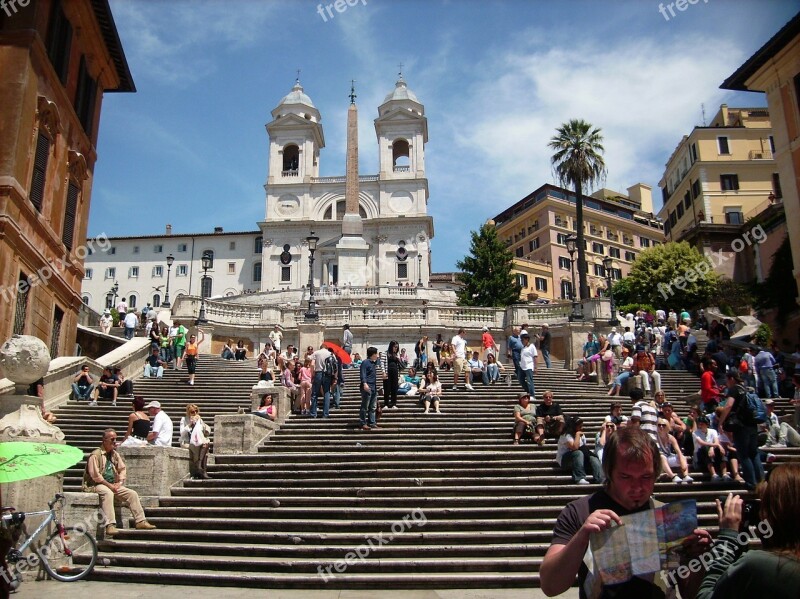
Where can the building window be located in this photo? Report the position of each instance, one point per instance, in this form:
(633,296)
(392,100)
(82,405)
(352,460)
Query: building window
(112,251)
(132,302)
(693,153)
(616,274)
(182,247)
(136,249)
(21,312)
(85,299)
(286,274)
(232,246)
(181,270)
(687,200)
(519,252)
(70,213)
(599,271)
(776,185)
(156,300)
(258,245)
(158,248)
(772,145)
(231,268)
(158,271)
(55,332)
(59,41)
(88,274)
(644,242)
(722,145)
(533,244)
(561,239)
(630,256)
(85,97)
(257,272)
(522,280)
(133,272)
(291,160)
(111,273)
(613,252)
(566,290)
(733,217)
(402,270)
(205,287)
(541,284)
(563,263)
(696,189)
(673,220)
(598,248)
(729,182)
(679,210)
(39,176)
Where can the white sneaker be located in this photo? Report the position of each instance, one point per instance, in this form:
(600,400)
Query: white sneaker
(438,411)
(778,446)
(469,387)
(677,479)
(688,479)
(394,407)
(716,478)
(427,412)
(583,481)
(114,404)
(93,403)
(726,477)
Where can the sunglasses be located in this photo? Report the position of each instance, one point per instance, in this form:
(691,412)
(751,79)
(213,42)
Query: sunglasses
(662,426)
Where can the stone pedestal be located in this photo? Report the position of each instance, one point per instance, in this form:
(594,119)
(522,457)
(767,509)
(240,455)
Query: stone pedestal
(309,333)
(240,433)
(576,337)
(153,470)
(351,256)
(281,400)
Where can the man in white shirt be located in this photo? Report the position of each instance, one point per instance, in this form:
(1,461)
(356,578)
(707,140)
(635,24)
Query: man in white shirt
(477,368)
(615,340)
(131,322)
(629,337)
(276,336)
(459,343)
(162,431)
(527,362)
(347,339)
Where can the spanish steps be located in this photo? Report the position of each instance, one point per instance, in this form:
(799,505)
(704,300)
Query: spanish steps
(478,510)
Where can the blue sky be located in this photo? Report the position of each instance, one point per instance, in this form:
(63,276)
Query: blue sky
(496,78)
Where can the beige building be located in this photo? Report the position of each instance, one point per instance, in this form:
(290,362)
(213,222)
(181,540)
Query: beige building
(721,174)
(775,70)
(57,59)
(535,279)
(616,225)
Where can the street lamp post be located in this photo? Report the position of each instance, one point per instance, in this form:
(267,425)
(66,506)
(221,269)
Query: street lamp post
(419,269)
(111,296)
(170,260)
(572,246)
(607,264)
(206,262)
(311,314)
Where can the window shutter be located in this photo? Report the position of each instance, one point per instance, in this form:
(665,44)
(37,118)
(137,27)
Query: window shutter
(39,171)
(67,235)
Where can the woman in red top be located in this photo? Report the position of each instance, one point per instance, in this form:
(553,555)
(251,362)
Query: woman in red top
(709,392)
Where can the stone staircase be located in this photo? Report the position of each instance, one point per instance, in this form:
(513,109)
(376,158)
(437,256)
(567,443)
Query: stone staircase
(425,501)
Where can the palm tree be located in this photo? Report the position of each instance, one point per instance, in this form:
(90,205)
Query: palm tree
(578,162)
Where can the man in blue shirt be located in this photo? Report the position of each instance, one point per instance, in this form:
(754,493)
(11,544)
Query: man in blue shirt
(369,390)
(514,351)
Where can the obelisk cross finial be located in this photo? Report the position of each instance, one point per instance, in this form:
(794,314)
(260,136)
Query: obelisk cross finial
(400,72)
(353,91)
(298,75)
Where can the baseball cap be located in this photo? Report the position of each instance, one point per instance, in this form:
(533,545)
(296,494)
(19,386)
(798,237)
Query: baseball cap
(768,402)
(154,404)
(485,328)
(613,329)
(545,325)
(525,334)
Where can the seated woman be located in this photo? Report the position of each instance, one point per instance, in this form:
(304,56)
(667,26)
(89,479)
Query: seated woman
(608,428)
(138,425)
(410,383)
(403,358)
(574,455)
(240,353)
(356,361)
(524,417)
(671,455)
(434,393)
(266,409)
(773,571)
(493,369)
(227,350)
(708,451)
(595,362)
(624,372)
(447,356)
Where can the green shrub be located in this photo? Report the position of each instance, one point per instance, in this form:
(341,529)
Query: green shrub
(632,308)
(763,335)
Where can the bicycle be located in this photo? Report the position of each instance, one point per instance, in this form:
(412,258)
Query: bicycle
(69,554)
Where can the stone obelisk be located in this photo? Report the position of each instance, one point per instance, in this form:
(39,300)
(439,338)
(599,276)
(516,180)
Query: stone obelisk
(351,251)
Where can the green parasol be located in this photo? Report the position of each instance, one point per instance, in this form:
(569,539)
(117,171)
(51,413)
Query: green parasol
(21,460)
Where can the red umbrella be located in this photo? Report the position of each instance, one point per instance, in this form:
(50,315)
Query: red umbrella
(338,352)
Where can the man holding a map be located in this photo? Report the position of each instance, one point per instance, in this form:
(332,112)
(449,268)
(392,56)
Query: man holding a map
(626,552)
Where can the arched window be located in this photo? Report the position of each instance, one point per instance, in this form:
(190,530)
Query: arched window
(85,299)
(156,300)
(132,302)
(400,155)
(341,208)
(291,159)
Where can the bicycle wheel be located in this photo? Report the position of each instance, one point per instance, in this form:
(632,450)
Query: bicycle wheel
(71,558)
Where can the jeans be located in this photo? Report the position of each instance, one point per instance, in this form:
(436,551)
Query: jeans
(769,382)
(149,371)
(337,396)
(129,332)
(574,461)
(746,443)
(484,376)
(493,370)
(369,403)
(324,381)
(546,356)
(784,434)
(528,374)
(166,354)
(620,379)
(76,391)
(519,373)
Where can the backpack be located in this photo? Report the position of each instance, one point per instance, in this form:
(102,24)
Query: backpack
(756,408)
(331,366)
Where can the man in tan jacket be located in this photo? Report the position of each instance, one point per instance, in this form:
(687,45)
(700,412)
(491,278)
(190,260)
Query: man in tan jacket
(105,475)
